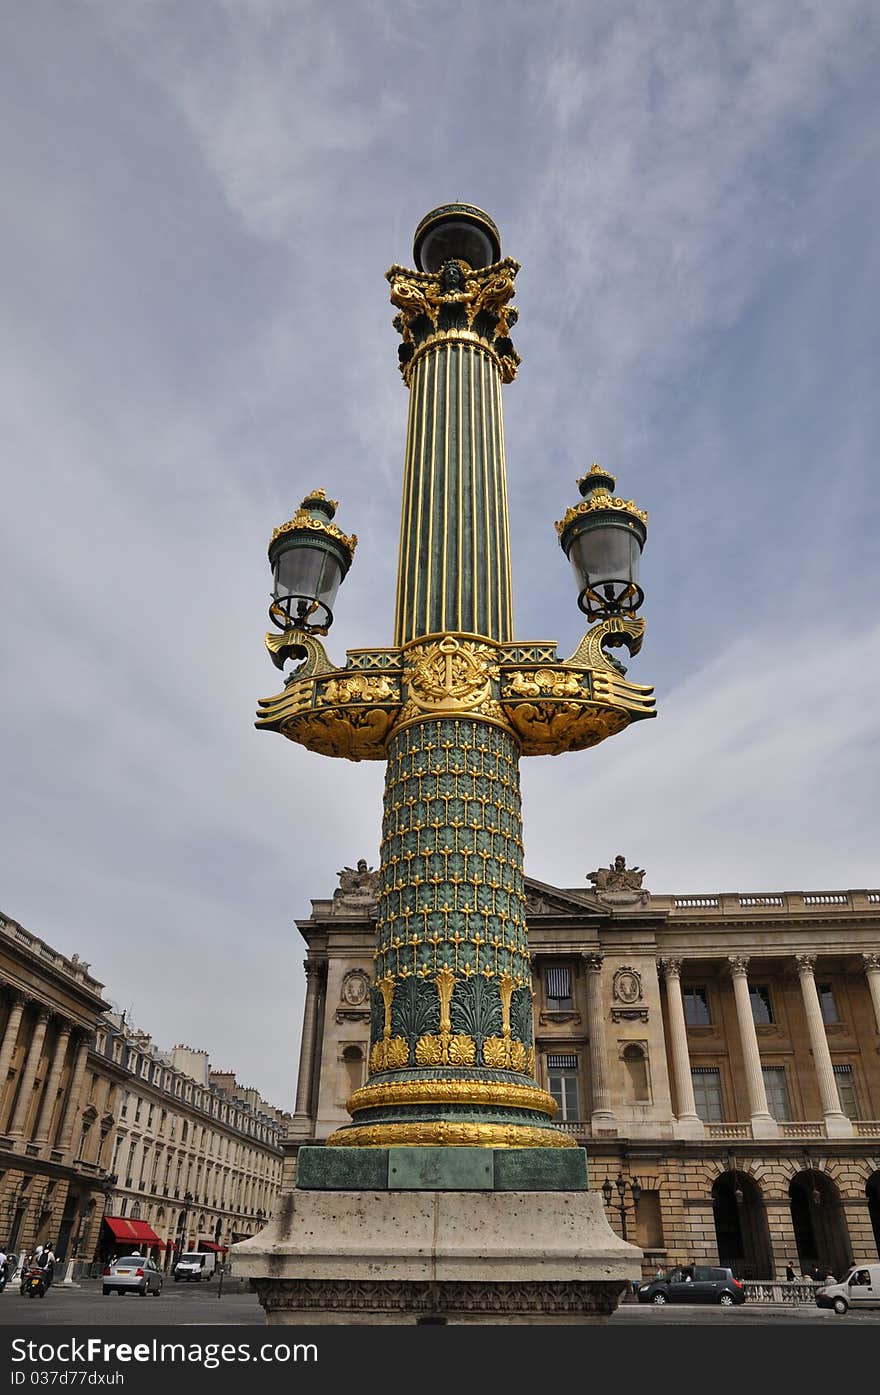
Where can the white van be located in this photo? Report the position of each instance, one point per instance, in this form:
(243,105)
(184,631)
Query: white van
(195,1265)
(860,1289)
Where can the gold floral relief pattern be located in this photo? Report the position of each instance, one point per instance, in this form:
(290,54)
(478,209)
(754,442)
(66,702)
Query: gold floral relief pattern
(358,734)
(361,688)
(555,682)
(444,1134)
(455,1091)
(548,728)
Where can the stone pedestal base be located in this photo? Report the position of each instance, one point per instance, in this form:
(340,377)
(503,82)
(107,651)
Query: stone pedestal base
(422,1256)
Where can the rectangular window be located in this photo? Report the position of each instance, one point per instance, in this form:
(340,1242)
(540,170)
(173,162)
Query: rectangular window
(707,1094)
(827,1003)
(649,1222)
(562,1083)
(557,988)
(696,1006)
(762,1008)
(123,1108)
(846,1091)
(776,1090)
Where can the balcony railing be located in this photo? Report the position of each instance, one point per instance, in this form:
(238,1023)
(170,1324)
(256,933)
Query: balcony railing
(734,903)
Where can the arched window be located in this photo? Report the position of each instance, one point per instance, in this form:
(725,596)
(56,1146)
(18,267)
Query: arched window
(635,1074)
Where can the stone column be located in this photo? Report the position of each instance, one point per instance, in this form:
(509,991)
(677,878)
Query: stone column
(10,1037)
(763,1123)
(836,1122)
(50,1094)
(301,1124)
(872,974)
(79,1069)
(28,1075)
(688,1122)
(602,1117)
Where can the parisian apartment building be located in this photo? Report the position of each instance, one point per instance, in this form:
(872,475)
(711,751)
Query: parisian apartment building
(107,1141)
(720,1051)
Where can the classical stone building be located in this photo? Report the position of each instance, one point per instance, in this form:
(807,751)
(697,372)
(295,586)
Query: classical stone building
(50,1186)
(720,1050)
(106,1140)
(196,1159)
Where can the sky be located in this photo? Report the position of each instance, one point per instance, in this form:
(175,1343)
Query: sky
(200,202)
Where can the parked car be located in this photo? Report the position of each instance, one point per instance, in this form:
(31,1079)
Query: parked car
(859,1289)
(195,1265)
(696,1284)
(132,1274)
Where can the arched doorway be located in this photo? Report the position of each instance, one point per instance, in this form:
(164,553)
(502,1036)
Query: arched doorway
(872,1192)
(741,1226)
(820,1231)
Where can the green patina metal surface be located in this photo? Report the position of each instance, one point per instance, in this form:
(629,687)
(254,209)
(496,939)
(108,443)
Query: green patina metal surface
(442,1169)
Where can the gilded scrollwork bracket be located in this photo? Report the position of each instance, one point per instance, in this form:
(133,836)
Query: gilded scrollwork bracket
(549,705)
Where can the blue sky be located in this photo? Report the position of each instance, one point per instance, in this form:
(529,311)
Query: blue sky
(200,204)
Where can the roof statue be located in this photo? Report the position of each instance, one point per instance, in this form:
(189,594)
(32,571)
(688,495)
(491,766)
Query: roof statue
(619,885)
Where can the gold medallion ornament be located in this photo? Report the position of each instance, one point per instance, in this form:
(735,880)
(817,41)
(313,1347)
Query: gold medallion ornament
(451,675)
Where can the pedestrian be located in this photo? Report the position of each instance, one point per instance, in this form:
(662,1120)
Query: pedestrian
(789,1272)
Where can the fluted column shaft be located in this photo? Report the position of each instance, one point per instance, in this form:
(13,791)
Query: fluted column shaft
(10,1037)
(314,976)
(872,974)
(50,1093)
(681,1061)
(454,571)
(602,1114)
(70,1111)
(836,1122)
(25,1092)
(763,1123)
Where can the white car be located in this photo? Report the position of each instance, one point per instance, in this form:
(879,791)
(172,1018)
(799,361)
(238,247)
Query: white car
(132,1274)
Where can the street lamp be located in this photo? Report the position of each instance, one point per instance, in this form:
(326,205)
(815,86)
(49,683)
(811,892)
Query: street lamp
(603,537)
(183,1220)
(451,707)
(621,1204)
(738,1192)
(310,558)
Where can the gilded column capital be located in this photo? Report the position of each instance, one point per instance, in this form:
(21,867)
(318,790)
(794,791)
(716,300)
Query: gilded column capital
(739,965)
(871,963)
(593,962)
(670,968)
(806,964)
(456,303)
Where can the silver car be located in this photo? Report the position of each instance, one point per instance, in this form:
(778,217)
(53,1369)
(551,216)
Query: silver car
(132,1274)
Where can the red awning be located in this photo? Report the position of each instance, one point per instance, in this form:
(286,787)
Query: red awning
(139,1231)
(209,1245)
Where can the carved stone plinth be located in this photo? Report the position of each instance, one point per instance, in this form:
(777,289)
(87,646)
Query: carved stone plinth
(429,1256)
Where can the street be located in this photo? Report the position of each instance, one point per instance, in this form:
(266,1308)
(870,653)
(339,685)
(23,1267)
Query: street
(196,1306)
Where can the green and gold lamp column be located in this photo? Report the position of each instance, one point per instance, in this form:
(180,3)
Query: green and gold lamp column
(452,706)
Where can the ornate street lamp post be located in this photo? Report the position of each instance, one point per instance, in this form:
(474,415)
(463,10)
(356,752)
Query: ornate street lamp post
(452,706)
(620,1205)
(451,1105)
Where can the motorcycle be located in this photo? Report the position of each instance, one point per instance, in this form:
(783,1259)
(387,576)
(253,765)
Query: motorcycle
(34,1283)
